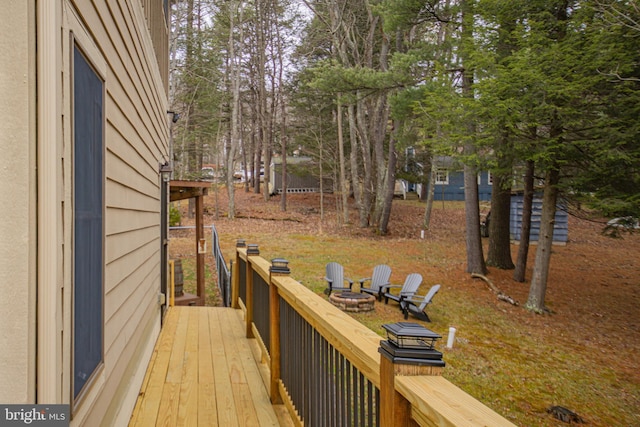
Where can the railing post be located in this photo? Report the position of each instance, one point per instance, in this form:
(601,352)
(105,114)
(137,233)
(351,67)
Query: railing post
(409,352)
(235,276)
(252,250)
(279,267)
(199,251)
(395,410)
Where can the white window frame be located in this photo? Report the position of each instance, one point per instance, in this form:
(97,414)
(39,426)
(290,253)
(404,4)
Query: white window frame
(438,176)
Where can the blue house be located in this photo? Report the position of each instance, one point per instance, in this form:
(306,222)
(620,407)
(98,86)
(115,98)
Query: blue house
(449,186)
(449,183)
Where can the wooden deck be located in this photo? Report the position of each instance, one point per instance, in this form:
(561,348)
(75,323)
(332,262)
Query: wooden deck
(203,372)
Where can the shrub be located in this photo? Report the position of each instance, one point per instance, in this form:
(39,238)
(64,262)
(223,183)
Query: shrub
(174,216)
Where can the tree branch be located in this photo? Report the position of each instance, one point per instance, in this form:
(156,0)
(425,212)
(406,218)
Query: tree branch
(501,295)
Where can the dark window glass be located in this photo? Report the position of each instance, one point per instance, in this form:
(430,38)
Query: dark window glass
(88,222)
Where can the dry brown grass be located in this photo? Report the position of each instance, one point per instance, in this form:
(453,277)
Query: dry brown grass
(583,356)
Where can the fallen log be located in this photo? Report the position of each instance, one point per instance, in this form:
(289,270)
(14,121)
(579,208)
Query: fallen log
(500,295)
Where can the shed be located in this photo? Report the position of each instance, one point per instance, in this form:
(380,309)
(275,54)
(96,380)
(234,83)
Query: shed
(560,228)
(301,177)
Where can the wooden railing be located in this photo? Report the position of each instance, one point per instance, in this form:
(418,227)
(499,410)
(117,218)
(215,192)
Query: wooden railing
(325,366)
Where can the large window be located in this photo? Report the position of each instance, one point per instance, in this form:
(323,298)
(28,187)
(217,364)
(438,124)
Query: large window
(88,231)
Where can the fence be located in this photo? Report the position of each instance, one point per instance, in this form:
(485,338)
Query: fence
(327,368)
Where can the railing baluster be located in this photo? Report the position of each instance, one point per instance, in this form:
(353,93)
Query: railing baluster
(325,388)
(261,308)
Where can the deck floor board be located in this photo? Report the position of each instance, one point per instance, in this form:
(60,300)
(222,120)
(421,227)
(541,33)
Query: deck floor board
(203,373)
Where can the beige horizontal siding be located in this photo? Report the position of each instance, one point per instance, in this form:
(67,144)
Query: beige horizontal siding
(119,246)
(120,196)
(136,135)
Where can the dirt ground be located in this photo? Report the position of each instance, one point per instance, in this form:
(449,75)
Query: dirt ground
(593,290)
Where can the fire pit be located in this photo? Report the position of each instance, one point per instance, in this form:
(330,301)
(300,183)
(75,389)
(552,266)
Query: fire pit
(352,301)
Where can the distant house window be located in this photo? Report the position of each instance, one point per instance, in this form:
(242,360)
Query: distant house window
(88,222)
(442,177)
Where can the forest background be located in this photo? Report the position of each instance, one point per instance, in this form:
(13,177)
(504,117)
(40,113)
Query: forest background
(544,94)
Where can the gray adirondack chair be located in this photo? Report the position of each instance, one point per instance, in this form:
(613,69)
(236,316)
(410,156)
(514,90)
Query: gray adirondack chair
(407,290)
(380,277)
(335,278)
(417,304)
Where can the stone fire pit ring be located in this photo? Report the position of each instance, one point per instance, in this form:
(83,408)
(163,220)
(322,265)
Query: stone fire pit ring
(353,301)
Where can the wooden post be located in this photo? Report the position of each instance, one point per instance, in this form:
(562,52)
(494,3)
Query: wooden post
(235,276)
(248,316)
(279,267)
(199,255)
(172,283)
(395,410)
(251,251)
(274,345)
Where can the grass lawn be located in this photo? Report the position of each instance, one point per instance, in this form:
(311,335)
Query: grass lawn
(582,356)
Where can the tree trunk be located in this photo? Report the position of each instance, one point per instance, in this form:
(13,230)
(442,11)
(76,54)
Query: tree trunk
(356,185)
(342,189)
(378,126)
(538,287)
(475,257)
(525,230)
(499,254)
(383,228)
(364,207)
(283,121)
(235,113)
(261,49)
(431,186)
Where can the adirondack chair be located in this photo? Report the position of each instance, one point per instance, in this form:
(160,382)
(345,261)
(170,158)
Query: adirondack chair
(379,278)
(417,304)
(407,290)
(335,278)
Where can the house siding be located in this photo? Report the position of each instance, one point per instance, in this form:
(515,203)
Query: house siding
(36,249)
(454,190)
(560,225)
(17,229)
(136,137)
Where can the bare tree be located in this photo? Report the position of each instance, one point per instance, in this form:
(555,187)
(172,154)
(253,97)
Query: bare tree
(234,77)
